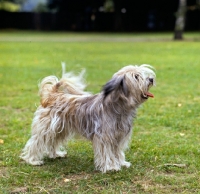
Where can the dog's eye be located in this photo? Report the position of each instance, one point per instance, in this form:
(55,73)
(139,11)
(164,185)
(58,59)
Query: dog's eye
(136,76)
(151,80)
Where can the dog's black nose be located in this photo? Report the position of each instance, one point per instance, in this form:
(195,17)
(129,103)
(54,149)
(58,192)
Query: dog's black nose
(151,80)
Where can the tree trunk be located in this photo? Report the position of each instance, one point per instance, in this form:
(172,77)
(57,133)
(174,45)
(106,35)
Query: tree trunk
(180,20)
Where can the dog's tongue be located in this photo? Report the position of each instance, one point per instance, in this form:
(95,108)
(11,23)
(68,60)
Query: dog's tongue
(150,94)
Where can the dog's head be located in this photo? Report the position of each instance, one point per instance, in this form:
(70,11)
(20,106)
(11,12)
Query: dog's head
(131,82)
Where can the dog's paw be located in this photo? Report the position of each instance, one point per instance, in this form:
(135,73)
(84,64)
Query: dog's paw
(57,154)
(126,164)
(61,154)
(36,163)
(112,168)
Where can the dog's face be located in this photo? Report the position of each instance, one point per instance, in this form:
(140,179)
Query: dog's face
(132,82)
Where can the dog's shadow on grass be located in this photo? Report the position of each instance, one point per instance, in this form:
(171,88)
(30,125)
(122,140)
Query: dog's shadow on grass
(76,163)
(72,163)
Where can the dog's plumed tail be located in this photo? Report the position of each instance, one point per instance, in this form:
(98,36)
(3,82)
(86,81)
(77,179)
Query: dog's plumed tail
(75,81)
(68,84)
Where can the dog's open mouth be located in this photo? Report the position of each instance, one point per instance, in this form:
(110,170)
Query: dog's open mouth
(146,95)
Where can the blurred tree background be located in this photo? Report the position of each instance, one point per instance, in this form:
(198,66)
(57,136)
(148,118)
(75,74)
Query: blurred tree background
(101,15)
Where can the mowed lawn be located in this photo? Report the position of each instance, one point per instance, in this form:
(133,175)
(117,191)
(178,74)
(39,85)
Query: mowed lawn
(165,146)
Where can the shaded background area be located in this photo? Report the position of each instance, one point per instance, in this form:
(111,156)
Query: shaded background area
(96,15)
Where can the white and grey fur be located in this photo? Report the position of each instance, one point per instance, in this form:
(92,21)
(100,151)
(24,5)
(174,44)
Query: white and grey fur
(106,119)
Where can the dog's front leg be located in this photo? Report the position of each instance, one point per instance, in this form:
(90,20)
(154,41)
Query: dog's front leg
(105,157)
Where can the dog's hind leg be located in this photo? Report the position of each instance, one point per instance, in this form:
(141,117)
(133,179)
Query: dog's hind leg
(56,144)
(55,149)
(42,144)
(33,151)
(37,146)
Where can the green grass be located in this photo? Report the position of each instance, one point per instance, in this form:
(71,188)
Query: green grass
(166,130)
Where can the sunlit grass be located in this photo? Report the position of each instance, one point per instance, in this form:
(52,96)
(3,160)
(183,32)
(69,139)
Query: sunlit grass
(166,129)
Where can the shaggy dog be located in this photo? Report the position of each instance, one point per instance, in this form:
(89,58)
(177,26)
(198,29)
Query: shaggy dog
(106,119)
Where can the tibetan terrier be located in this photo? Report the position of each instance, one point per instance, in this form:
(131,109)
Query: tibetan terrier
(106,119)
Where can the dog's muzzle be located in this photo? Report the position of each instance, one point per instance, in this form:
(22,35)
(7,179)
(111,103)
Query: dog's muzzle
(147,94)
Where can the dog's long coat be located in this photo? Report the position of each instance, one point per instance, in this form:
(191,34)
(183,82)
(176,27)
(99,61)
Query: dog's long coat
(105,119)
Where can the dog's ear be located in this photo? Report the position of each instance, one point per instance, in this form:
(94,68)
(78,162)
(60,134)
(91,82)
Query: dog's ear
(115,84)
